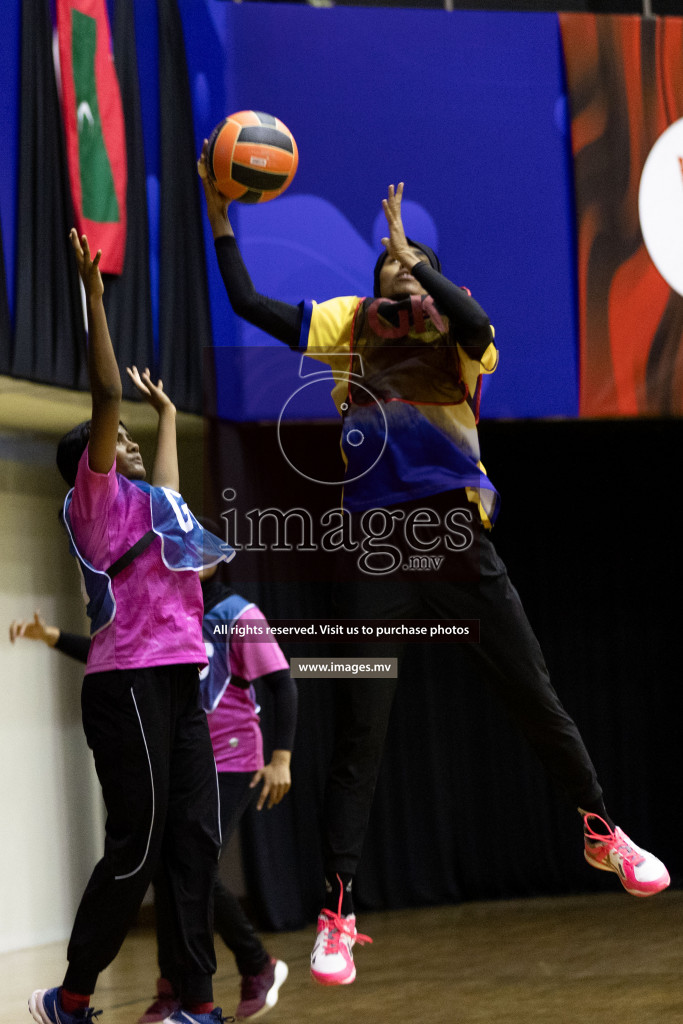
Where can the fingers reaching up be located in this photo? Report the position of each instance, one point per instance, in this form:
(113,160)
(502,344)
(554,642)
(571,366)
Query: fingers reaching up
(396,243)
(152,393)
(88,268)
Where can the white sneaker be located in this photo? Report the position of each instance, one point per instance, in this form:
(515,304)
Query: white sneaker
(332,957)
(641,873)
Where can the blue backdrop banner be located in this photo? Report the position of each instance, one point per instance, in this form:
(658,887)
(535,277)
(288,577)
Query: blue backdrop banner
(468,108)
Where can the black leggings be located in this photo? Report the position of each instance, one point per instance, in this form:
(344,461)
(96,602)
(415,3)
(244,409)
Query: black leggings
(510,658)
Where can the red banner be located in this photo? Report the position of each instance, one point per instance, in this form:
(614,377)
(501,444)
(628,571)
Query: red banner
(94,128)
(625,84)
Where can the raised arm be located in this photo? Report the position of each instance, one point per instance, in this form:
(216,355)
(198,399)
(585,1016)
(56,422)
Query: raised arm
(165,471)
(470,323)
(468,320)
(105,379)
(279,319)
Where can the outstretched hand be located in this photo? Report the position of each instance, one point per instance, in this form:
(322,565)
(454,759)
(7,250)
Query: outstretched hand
(35,629)
(396,244)
(152,393)
(88,268)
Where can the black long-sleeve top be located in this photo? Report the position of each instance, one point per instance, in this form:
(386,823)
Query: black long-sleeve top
(282,320)
(74,645)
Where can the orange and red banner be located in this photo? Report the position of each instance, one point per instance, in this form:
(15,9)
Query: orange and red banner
(94,128)
(625,84)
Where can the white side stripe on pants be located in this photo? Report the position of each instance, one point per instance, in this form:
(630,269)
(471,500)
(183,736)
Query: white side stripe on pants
(118,878)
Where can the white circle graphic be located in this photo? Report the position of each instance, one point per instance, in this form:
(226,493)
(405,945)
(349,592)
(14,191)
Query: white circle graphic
(660,205)
(358,436)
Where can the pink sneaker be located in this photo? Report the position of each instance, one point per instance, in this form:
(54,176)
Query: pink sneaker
(163,1006)
(641,873)
(332,959)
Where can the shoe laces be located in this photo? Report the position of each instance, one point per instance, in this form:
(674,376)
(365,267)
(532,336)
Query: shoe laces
(337,926)
(616,840)
(88,1014)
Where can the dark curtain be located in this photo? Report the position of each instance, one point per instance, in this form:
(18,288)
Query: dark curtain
(184,318)
(5,323)
(463,810)
(128,297)
(49,339)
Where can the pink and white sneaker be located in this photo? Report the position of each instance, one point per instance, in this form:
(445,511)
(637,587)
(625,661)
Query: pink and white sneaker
(640,872)
(332,957)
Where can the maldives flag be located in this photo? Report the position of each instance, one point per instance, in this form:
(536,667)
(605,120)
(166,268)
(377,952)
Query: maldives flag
(94,128)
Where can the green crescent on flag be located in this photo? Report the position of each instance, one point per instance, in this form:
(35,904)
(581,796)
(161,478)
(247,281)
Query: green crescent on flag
(94,128)
(97,184)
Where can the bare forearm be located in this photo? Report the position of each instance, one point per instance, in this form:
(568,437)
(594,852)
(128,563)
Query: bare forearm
(105,379)
(103,370)
(165,471)
(219,221)
(105,388)
(52,636)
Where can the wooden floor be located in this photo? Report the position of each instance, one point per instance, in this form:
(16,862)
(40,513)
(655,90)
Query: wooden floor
(604,959)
